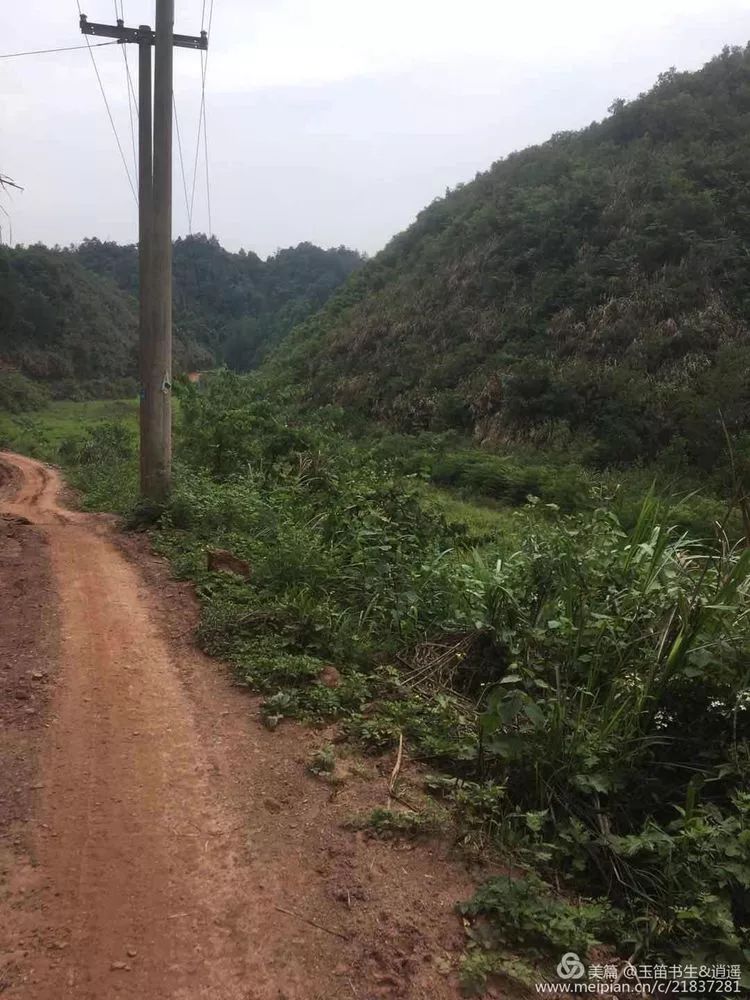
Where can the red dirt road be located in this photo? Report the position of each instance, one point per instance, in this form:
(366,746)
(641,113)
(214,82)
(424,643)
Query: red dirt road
(160,830)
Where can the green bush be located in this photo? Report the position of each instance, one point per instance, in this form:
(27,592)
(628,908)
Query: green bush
(102,464)
(19,394)
(486,475)
(523,912)
(615,655)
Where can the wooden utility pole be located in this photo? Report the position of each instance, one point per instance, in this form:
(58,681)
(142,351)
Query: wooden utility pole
(145,220)
(154,236)
(157,383)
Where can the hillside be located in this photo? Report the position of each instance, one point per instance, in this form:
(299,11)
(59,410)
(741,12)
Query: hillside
(62,325)
(68,318)
(587,293)
(236,304)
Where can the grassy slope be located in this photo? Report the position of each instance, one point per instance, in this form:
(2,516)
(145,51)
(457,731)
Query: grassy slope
(40,433)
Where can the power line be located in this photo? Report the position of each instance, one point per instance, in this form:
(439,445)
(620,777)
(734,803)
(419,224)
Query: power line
(205,125)
(67,48)
(197,147)
(6,213)
(182,165)
(132,100)
(202,120)
(109,112)
(208,184)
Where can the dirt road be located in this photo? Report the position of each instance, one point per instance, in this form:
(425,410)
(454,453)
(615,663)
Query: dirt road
(152,833)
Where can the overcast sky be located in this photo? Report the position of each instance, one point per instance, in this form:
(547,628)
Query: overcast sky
(333,121)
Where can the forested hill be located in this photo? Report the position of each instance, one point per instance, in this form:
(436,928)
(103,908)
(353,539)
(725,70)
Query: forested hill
(62,325)
(591,292)
(236,304)
(68,317)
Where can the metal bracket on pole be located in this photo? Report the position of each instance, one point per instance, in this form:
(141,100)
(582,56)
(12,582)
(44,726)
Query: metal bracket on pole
(123,34)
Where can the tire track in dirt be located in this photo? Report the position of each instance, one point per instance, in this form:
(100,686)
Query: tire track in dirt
(169,827)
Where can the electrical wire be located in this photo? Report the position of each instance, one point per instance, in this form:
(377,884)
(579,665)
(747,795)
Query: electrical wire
(202,120)
(205,124)
(182,165)
(6,213)
(132,99)
(109,112)
(197,147)
(131,88)
(67,48)
(208,183)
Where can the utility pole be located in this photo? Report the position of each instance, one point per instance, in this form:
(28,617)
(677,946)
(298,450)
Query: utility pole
(145,225)
(154,236)
(158,383)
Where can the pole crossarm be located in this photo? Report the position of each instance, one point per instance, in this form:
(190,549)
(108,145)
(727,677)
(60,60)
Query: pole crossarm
(140,34)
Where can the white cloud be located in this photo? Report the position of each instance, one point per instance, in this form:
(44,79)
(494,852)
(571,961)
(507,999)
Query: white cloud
(297,42)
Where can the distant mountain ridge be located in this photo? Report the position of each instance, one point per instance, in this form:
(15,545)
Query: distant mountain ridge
(68,316)
(592,292)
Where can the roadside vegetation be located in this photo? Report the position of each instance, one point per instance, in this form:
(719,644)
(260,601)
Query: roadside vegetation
(40,427)
(577,687)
